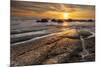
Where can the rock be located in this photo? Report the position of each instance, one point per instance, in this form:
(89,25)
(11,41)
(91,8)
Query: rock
(33,56)
(74,56)
(20,48)
(57,59)
(84,33)
(64,47)
(90,46)
(90,57)
(61,52)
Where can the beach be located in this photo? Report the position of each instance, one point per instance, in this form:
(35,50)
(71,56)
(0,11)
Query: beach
(52,43)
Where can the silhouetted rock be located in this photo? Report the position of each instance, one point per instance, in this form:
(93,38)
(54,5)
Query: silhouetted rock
(54,20)
(38,20)
(90,20)
(60,21)
(44,20)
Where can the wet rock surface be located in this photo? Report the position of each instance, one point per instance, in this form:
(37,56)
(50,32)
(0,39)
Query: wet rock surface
(64,47)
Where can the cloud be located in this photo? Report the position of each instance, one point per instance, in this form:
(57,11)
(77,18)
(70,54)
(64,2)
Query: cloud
(41,7)
(47,9)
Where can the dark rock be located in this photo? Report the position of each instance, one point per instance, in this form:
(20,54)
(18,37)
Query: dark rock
(84,33)
(57,59)
(90,57)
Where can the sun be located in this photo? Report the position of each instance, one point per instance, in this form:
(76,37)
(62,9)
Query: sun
(65,15)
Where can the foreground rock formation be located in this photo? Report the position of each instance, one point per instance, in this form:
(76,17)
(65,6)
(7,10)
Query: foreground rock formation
(63,47)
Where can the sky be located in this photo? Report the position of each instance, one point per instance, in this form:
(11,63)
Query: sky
(52,10)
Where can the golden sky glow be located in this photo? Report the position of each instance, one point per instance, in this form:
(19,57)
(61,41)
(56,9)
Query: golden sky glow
(65,15)
(52,10)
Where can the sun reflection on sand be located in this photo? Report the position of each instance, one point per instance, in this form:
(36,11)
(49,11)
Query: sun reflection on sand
(69,32)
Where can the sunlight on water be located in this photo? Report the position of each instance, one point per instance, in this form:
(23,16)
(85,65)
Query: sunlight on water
(65,24)
(69,32)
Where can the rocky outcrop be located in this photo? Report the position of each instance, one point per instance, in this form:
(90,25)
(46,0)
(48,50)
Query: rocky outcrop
(63,47)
